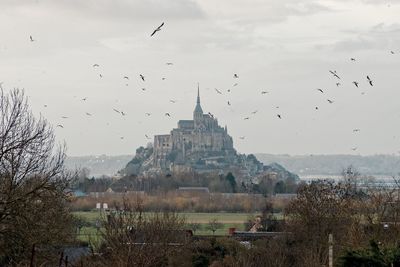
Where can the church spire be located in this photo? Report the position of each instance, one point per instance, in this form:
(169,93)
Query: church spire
(198,111)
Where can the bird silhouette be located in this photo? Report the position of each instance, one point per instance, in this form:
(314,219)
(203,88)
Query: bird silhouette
(172,101)
(126,77)
(247,118)
(337,84)
(355,83)
(254,112)
(143,89)
(87,113)
(356,130)
(316,108)
(147,136)
(218,91)
(279,116)
(370,81)
(169,63)
(392,52)
(352,59)
(142,77)
(242,137)
(235,76)
(123,113)
(264,92)
(31,38)
(60,125)
(157,29)
(167,114)
(334,74)
(117,111)
(229,103)
(64,117)
(147,114)
(96,65)
(235,84)
(84,99)
(101,76)
(330,101)
(320,90)
(354,148)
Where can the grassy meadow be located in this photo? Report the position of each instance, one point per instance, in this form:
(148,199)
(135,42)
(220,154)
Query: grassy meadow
(227,221)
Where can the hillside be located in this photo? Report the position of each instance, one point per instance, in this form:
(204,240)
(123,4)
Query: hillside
(334,164)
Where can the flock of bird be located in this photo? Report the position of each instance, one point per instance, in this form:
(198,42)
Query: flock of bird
(334,74)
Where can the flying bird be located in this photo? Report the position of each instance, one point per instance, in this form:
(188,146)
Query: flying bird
(334,74)
(254,112)
(235,76)
(101,76)
(279,116)
(356,130)
(117,111)
(352,59)
(242,137)
(126,77)
(264,92)
(392,52)
(123,113)
(169,63)
(355,83)
(96,65)
(147,114)
(60,125)
(370,81)
(142,77)
(337,84)
(87,113)
(229,103)
(354,148)
(316,108)
(320,90)
(84,99)
(172,101)
(167,114)
(218,91)
(64,117)
(157,29)
(247,118)
(31,38)
(147,136)
(330,101)
(235,84)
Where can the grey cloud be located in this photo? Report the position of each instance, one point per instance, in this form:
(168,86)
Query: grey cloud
(380,36)
(123,9)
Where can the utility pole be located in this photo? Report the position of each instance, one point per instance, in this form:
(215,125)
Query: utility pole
(330,242)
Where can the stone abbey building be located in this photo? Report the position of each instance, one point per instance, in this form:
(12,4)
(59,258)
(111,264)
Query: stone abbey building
(198,139)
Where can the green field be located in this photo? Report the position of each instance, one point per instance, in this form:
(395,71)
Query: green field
(227,220)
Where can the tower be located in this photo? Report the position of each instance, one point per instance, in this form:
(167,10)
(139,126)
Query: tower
(198,111)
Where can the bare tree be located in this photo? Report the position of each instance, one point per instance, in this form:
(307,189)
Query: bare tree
(32,179)
(134,238)
(214,225)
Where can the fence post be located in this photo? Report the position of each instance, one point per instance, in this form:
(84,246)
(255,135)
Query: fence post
(330,242)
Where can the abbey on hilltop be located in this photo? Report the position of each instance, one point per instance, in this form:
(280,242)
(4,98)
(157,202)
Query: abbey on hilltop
(197,145)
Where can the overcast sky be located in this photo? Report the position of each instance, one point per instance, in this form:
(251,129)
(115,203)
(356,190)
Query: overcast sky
(284,47)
